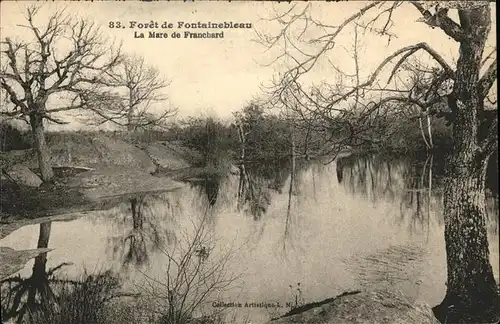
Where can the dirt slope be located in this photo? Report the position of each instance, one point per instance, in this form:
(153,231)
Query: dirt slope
(94,151)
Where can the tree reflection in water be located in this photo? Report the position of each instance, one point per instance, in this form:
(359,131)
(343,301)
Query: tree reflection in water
(418,195)
(25,295)
(212,185)
(46,298)
(258,181)
(414,184)
(408,183)
(146,230)
(253,193)
(368,175)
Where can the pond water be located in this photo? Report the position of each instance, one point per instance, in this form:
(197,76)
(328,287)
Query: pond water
(273,245)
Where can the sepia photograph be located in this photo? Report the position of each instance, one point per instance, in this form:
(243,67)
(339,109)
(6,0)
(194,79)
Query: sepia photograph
(249,162)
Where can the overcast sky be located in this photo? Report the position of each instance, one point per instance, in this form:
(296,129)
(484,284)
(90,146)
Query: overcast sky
(218,76)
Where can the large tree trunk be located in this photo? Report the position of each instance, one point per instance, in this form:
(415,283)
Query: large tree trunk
(471,289)
(42,150)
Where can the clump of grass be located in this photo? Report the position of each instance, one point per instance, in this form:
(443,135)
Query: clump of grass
(78,302)
(13,138)
(129,310)
(298,298)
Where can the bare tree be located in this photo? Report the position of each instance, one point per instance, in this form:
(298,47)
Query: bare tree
(197,271)
(471,287)
(136,87)
(66,60)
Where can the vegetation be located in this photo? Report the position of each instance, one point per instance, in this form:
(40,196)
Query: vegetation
(79,302)
(196,271)
(12,138)
(267,137)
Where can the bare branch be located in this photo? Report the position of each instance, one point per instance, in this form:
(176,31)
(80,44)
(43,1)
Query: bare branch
(488,79)
(412,49)
(489,56)
(328,39)
(440,19)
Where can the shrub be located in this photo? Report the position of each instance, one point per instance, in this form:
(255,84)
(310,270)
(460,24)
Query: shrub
(78,302)
(11,138)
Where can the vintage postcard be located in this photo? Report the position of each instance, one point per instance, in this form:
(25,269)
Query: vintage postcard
(175,162)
